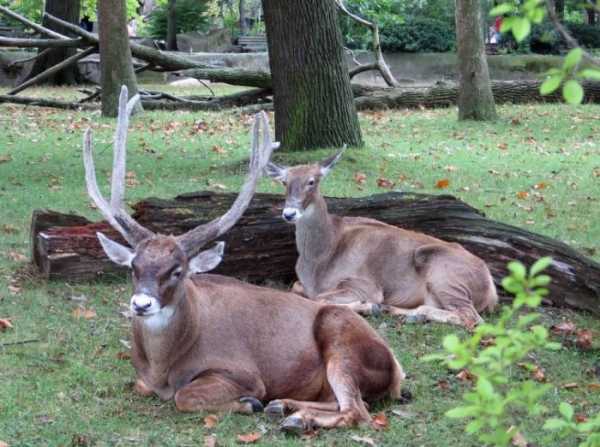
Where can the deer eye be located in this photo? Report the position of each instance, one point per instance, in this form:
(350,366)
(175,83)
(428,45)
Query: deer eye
(311,182)
(284,183)
(176,273)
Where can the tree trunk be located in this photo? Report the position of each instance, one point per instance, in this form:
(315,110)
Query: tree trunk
(116,68)
(313,97)
(475,99)
(67,10)
(261,246)
(559,7)
(243,18)
(172,26)
(591,14)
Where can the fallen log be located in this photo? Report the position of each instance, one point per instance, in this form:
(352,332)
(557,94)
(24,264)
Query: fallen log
(41,102)
(261,246)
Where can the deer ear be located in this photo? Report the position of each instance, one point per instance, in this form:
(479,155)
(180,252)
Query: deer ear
(276,171)
(119,254)
(207,260)
(328,164)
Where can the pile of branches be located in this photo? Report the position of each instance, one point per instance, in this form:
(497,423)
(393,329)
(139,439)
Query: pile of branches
(259,96)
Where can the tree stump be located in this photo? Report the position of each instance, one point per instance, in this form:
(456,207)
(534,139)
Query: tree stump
(261,246)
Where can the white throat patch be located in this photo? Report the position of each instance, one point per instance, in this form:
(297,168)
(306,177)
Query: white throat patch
(158,321)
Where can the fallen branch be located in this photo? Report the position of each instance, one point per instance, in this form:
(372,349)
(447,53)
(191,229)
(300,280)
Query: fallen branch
(28,59)
(42,102)
(39,28)
(261,246)
(19,342)
(52,70)
(41,43)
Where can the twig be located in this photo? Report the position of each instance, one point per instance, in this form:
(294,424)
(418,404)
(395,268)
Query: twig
(380,63)
(91,96)
(19,342)
(354,59)
(29,59)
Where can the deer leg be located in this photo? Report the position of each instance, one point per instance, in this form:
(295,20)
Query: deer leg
(282,407)
(429,313)
(349,410)
(141,388)
(217,392)
(360,295)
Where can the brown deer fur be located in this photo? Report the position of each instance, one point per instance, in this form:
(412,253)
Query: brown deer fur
(214,343)
(366,264)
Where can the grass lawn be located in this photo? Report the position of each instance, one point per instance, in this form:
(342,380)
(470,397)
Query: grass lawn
(537,167)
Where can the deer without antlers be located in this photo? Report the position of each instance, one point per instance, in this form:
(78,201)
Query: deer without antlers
(215,343)
(368,265)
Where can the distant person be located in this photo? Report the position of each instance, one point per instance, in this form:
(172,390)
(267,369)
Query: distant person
(497,27)
(86,23)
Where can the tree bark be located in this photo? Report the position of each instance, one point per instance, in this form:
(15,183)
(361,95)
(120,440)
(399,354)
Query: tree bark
(67,10)
(243,18)
(116,68)
(475,99)
(172,26)
(313,97)
(261,247)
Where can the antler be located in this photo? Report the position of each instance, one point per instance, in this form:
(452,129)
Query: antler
(195,239)
(114,213)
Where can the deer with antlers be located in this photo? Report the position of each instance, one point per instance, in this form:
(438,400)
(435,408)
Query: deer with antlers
(215,343)
(368,265)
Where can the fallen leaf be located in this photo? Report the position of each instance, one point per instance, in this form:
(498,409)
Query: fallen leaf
(218,149)
(515,121)
(442,183)
(570,385)
(579,418)
(443,384)
(518,440)
(211,421)
(380,421)
(5,158)
(584,339)
(522,195)
(538,374)
(360,178)
(450,168)
(14,290)
(5,324)
(594,386)
(540,185)
(9,229)
(363,440)
(122,355)
(16,256)
(249,438)
(210,441)
(465,375)
(564,328)
(487,341)
(384,183)
(502,146)
(82,312)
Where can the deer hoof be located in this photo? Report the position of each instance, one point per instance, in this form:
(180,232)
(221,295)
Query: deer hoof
(293,424)
(415,319)
(257,406)
(275,409)
(376,309)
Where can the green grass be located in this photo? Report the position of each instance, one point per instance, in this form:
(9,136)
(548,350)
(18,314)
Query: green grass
(72,384)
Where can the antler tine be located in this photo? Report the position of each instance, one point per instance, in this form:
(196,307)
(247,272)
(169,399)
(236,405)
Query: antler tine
(195,239)
(114,212)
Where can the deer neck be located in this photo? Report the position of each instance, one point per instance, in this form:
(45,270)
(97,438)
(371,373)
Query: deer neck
(315,232)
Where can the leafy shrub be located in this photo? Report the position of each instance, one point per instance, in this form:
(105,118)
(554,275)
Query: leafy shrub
(499,400)
(587,35)
(566,425)
(418,34)
(191,16)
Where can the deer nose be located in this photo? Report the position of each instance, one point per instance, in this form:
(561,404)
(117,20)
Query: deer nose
(141,303)
(144,306)
(289,214)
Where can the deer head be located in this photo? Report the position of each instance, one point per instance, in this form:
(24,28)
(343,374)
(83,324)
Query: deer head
(161,263)
(302,184)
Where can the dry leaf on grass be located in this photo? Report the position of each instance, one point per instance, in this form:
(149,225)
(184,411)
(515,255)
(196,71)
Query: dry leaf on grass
(360,178)
(211,421)
(123,355)
(443,384)
(364,440)
(522,195)
(570,385)
(579,418)
(518,440)
(249,438)
(5,158)
(210,441)
(5,324)
(564,328)
(538,374)
(465,375)
(584,339)
(82,312)
(380,421)
(442,183)
(383,182)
